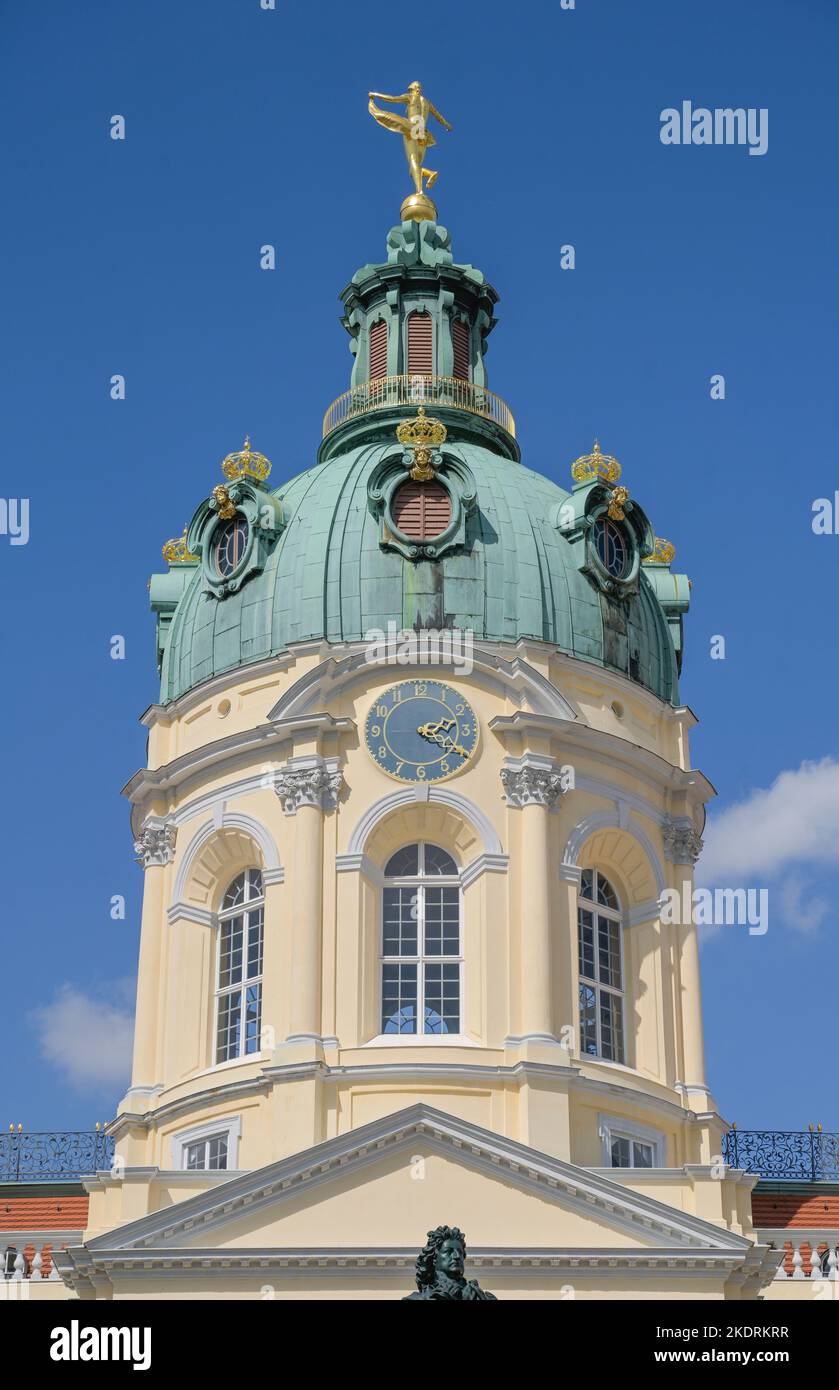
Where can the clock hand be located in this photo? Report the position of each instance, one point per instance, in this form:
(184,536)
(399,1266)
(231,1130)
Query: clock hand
(438,733)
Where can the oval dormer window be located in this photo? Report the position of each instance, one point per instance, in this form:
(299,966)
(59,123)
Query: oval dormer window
(421,510)
(611,546)
(230,545)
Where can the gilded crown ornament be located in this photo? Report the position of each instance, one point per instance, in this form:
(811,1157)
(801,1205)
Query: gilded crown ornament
(417,139)
(422,434)
(595,465)
(246,462)
(175,551)
(664,553)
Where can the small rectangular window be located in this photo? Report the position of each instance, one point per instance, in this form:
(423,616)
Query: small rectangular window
(460,349)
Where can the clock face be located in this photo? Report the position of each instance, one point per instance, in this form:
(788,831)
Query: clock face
(421,731)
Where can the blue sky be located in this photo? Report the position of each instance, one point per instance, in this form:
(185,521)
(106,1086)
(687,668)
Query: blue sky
(141,257)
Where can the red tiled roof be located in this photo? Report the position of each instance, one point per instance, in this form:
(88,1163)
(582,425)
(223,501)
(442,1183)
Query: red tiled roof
(774,1209)
(43,1213)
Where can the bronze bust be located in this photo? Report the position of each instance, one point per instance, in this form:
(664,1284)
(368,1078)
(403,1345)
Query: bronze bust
(440,1266)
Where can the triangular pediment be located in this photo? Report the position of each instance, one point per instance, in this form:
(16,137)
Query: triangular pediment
(385,1184)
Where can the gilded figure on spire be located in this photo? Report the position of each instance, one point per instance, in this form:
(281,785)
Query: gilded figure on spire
(417,138)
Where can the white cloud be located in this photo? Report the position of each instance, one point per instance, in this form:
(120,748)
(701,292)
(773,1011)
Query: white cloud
(88,1037)
(793,822)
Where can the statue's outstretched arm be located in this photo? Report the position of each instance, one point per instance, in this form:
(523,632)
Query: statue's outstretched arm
(433,109)
(383,96)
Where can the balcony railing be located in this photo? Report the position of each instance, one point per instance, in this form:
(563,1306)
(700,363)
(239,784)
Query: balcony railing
(429,391)
(778,1153)
(54,1156)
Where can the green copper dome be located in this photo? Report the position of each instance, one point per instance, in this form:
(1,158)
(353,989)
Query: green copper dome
(510,556)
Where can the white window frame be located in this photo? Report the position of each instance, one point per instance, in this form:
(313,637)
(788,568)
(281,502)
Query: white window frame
(611,1127)
(421,881)
(225,915)
(612,915)
(228,1127)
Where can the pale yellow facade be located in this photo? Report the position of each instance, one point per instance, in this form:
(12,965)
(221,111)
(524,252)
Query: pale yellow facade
(347,1145)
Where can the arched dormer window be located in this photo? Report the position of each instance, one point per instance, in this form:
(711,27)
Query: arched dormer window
(239,991)
(601,969)
(420,344)
(460,349)
(378,350)
(421,943)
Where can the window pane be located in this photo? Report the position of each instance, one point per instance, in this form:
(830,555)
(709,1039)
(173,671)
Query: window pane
(442,921)
(404,863)
(217,1151)
(588,1021)
(587,884)
(255,882)
(606,895)
(586,925)
(609,952)
(438,862)
(399,922)
(195,1155)
(235,893)
(229,1023)
(253,1017)
(399,999)
(255,935)
(611,1026)
(642,1155)
(442,999)
(230,952)
(620,1153)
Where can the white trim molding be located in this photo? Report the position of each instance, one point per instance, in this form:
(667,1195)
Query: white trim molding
(437,796)
(613,819)
(272,869)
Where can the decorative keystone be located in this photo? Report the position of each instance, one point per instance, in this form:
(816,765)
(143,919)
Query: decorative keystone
(682,845)
(531,781)
(156,845)
(309,782)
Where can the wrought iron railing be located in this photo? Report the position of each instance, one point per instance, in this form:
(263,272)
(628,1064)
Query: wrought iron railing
(418,390)
(54,1156)
(809,1156)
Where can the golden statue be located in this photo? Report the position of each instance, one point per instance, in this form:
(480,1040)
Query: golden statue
(417,138)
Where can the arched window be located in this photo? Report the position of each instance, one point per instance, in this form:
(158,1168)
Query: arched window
(460,349)
(378,350)
(239,994)
(420,344)
(230,544)
(601,969)
(610,544)
(421,951)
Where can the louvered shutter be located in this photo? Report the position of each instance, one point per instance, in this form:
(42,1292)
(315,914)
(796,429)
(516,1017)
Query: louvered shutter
(460,349)
(422,510)
(420,345)
(378,350)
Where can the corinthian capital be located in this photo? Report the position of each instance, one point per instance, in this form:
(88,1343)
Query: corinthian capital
(682,845)
(531,781)
(156,844)
(309,782)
